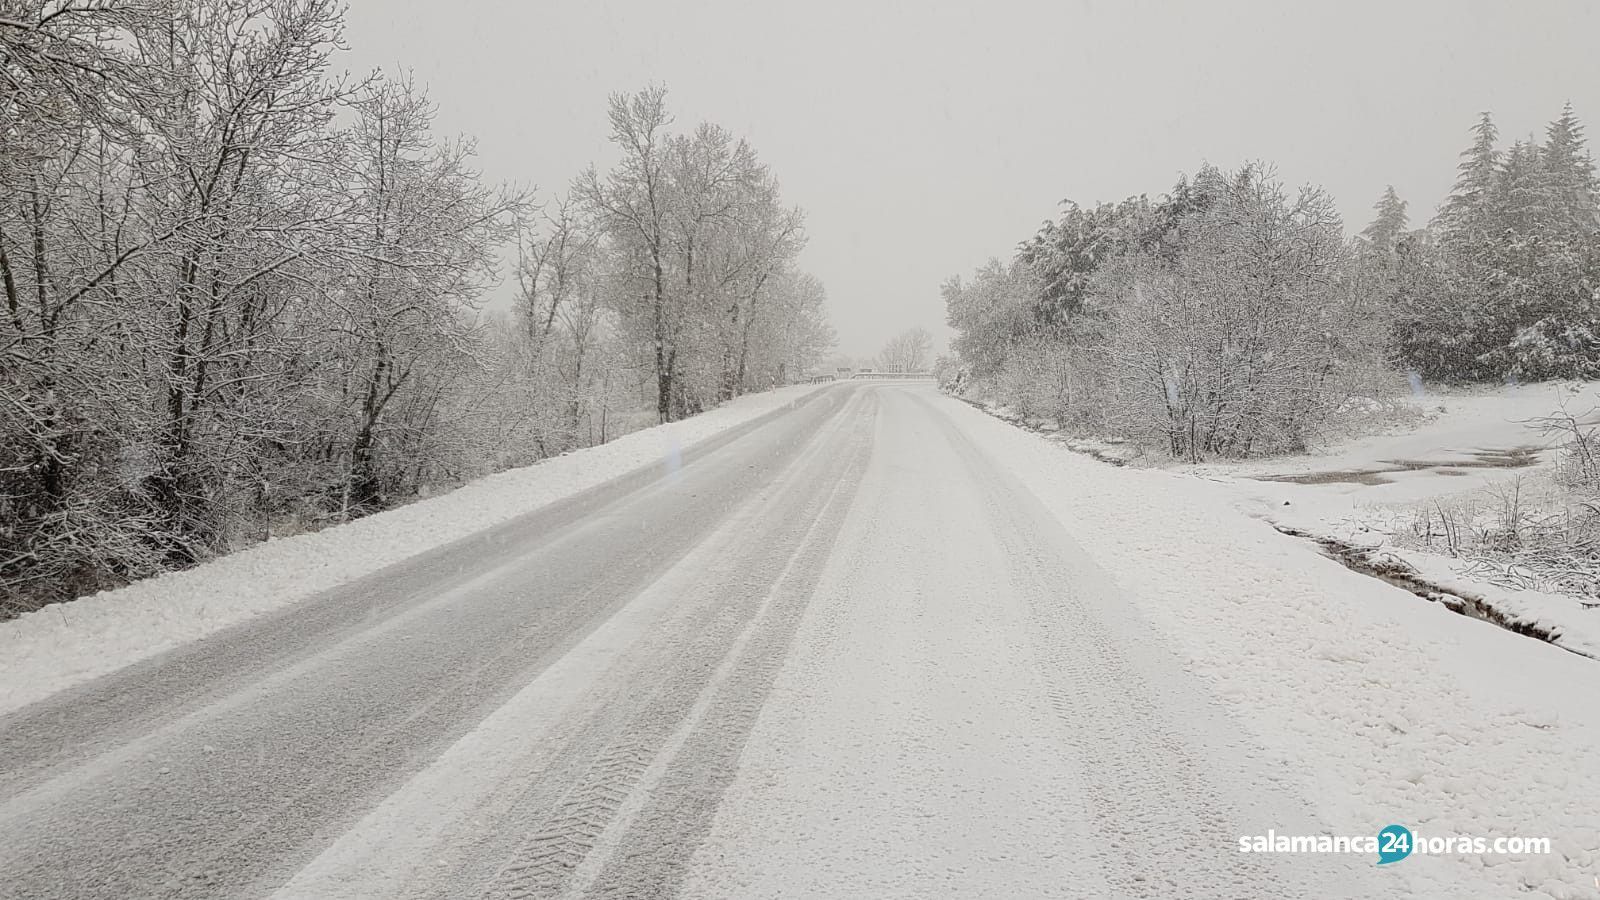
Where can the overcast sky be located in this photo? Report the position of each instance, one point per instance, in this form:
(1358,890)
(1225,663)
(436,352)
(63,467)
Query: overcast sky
(923,138)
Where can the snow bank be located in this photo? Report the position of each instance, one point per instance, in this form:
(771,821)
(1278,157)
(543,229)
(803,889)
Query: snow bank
(69,643)
(1378,706)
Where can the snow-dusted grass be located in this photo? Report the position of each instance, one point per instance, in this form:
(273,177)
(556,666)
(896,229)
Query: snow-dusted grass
(1380,707)
(69,643)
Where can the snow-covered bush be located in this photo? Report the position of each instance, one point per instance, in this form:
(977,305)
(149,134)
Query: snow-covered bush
(951,374)
(1046,379)
(1228,319)
(1237,344)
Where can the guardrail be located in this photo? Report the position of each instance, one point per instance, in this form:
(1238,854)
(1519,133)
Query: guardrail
(893,376)
(871,376)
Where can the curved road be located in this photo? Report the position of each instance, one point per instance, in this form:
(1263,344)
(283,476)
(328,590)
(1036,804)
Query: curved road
(836,653)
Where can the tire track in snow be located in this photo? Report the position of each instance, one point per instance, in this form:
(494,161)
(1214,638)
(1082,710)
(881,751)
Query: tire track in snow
(1168,777)
(447,831)
(653,789)
(646,858)
(907,749)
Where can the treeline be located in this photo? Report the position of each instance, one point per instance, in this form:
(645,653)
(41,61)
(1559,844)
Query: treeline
(245,295)
(1505,282)
(1233,317)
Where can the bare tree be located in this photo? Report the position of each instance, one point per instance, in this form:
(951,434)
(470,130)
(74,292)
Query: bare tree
(560,301)
(907,351)
(421,252)
(635,202)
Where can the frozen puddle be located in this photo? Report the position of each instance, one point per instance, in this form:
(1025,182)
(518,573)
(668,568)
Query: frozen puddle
(1514,458)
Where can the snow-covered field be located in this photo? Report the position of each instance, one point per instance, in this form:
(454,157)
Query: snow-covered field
(1477,449)
(1377,705)
(66,644)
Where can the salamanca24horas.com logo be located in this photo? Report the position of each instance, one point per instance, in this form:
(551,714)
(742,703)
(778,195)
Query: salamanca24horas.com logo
(1391,844)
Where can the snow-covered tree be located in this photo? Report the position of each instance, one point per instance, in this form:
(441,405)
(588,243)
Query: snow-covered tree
(1508,289)
(560,311)
(1568,175)
(1465,212)
(698,238)
(1388,223)
(908,351)
(422,233)
(633,202)
(239,293)
(992,313)
(1235,347)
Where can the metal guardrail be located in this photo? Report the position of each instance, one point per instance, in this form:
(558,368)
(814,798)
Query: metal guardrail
(872,376)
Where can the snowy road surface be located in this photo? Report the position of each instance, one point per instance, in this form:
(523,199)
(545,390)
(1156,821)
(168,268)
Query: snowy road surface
(841,653)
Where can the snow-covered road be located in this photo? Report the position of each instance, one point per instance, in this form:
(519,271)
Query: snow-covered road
(844,653)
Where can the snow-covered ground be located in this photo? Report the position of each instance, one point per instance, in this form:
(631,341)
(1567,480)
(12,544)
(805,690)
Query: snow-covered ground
(1474,449)
(1458,426)
(1377,705)
(69,643)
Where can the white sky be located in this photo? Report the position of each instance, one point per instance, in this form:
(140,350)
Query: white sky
(923,140)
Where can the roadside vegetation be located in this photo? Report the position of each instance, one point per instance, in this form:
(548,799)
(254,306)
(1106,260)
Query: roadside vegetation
(1233,318)
(245,295)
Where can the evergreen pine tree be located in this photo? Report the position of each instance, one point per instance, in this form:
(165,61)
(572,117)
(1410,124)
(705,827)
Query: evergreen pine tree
(1463,215)
(1521,202)
(1567,177)
(1390,222)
